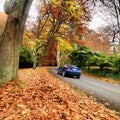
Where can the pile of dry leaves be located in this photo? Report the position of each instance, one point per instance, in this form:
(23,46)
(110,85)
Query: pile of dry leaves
(39,95)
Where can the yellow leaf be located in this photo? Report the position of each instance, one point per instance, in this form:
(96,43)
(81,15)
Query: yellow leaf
(25,111)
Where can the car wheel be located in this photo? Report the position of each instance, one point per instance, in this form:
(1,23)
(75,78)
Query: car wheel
(63,74)
(78,76)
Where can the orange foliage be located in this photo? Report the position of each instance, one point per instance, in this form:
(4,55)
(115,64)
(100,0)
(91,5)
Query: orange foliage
(77,41)
(57,13)
(97,42)
(77,34)
(79,29)
(3,17)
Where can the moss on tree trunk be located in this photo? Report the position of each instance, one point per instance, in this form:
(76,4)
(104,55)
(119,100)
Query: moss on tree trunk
(11,42)
(8,51)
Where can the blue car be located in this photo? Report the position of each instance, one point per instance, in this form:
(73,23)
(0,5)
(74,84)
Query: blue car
(69,70)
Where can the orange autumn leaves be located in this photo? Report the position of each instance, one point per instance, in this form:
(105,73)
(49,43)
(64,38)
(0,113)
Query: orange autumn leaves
(66,10)
(40,95)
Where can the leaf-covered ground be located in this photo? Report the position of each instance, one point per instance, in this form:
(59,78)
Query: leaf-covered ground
(39,95)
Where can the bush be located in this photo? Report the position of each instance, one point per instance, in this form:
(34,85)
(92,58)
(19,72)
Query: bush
(108,73)
(25,58)
(79,56)
(99,59)
(117,65)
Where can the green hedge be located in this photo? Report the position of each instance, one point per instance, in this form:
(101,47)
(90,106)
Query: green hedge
(25,58)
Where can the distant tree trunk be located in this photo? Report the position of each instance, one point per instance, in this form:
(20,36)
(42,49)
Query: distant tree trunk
(11,41)
(44,50)
(88,67)
(58,58)
(101,67)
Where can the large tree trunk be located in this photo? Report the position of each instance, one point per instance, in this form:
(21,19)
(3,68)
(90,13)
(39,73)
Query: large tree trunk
(50,57)
(11,42)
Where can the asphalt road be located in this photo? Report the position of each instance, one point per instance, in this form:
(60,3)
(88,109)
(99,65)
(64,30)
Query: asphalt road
(103,91)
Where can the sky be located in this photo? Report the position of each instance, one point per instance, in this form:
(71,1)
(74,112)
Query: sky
(100,17)
(98,23)
(1,5)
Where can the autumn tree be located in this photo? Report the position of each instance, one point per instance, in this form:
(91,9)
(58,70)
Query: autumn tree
(113,8)
(98,42)
(57,14)
(11,38)
(56,27)
(111,14)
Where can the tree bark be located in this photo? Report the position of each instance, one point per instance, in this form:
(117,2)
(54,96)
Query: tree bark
(11,42)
